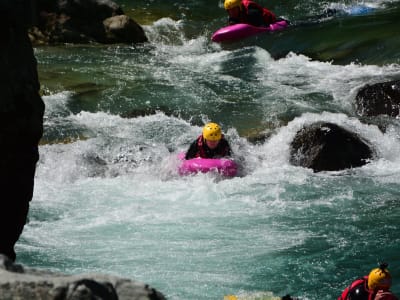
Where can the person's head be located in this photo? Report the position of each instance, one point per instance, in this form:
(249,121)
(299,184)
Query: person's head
(380,278)
(212,134)
(233,7)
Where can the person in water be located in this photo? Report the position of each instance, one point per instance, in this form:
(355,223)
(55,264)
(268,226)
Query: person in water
(248,12)
(210,144)
(374,286)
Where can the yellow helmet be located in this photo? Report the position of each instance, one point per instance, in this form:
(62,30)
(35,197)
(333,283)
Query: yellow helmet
(379,278)
(212,132)
(229,4)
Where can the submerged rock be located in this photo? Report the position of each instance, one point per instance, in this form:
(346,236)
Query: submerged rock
(379,99)
(18,282)
(327,147)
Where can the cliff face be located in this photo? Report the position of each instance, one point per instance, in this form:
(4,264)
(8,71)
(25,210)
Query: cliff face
(21,120)
(21,107)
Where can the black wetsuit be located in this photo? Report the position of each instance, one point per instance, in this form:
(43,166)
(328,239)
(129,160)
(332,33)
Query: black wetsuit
(202,150)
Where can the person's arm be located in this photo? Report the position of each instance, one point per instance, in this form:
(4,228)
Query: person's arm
(233,21)
(255,16)
(227,148)
(385,295)
(192,151)
(269,17)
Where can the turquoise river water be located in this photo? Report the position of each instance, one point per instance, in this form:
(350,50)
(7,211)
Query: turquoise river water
(107,195)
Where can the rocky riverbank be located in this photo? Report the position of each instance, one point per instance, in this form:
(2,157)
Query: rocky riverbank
(89,21)
(18,282)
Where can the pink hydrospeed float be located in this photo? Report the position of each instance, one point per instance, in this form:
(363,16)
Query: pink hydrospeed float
(240,31)
(224,166)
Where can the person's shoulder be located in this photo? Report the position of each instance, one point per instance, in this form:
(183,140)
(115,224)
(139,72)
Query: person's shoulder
(224,141)
(194,143)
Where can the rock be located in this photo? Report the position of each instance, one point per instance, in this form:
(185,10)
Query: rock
(17,282)
(379,99)
(37,37)
(94,10)
(148,111)
(327,147)
(81,21)
(123,29)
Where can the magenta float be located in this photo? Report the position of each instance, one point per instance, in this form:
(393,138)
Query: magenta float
(224,166)
(241,31)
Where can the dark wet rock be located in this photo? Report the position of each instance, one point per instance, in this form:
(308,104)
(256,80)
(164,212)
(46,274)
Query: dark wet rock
(21,121)
(95,10)
(379,99)
(139,113)
(383,122)
(18,282)
(83,21)
(61,140)
(327,147)
(148,111)
(260,132)
(122,29)
(94,165)
(83,88)
(258,138)
(85,96)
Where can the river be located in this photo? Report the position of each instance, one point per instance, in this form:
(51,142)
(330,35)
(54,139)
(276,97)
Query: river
(107,194)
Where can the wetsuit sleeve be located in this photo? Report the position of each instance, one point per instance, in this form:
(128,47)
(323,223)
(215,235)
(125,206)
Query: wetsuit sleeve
(255,16)
(192,151)
(233,21)
(269,17)
(226,147)
(228,150)
(385,295)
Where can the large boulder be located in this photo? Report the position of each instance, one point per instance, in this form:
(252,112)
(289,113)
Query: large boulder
(122,29)
(325,146)
(84,21)
(379,99)
(18,282)
(85,10)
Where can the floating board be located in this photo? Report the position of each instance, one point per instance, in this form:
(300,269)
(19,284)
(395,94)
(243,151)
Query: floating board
(224,166)
(241,31)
